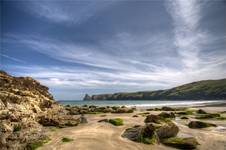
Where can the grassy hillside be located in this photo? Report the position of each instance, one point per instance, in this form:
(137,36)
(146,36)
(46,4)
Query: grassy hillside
(207,89)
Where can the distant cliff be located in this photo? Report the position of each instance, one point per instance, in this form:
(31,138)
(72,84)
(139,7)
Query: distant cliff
(206,90)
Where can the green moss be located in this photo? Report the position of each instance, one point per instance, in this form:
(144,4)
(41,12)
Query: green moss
(116,121)
(147,140)
(52,129)
(207,116)
(16,128)
(66,139)
(200,124)
(186,112)
(37,144)
(221,118)
(182,143)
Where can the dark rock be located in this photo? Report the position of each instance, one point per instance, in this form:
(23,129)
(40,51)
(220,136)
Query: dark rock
(181,143)
(103,120)
(143,134)
(201,111)
(59,121)
(152,118)
(199,124)
(183,117)
(83,119)
(123,110)
(167,130)
(207,116)
(165,108)
(132,133)
(167,115)
(148,130)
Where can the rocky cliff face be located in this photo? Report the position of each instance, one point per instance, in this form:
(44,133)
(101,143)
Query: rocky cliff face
(25,107)
(24,94)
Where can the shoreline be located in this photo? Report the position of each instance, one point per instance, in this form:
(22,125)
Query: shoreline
(191,103)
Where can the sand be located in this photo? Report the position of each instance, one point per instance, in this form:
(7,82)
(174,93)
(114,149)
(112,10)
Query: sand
(104,136)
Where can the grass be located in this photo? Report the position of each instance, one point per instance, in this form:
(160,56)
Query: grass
(66,139)
(116,121)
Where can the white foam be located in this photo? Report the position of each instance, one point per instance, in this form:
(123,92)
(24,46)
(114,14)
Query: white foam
(173,103)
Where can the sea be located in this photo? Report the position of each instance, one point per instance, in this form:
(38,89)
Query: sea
(140,103)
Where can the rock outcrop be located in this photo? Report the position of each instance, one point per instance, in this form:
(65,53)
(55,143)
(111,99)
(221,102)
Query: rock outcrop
(26,105)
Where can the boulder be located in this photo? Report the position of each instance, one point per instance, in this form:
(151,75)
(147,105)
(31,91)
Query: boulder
(103,120)
(148,130)
(201,111)
(132,133)
(167,130)
(144,134)
(153,118)
(123,110)
(207,116)
(59,121)
(167,115)
(200,124)
(165,108)
(83,119)
(181,143)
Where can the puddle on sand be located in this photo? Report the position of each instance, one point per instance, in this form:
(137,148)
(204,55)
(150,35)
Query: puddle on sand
(220,128)
(184,135)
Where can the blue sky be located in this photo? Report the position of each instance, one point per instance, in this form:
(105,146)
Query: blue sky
(105,46)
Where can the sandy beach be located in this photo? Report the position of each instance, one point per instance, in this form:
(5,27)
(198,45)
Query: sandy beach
(104,136)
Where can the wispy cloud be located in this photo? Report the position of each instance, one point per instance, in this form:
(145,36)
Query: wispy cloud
(189,37)
(12,58)
(69,12)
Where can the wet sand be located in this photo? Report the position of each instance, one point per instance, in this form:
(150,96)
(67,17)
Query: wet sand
(104,136)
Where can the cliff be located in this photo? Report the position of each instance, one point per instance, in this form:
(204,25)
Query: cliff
(25,107)
(201,90)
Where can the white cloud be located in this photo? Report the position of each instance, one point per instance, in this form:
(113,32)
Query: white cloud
(188,37)
(69,12)
(12,58)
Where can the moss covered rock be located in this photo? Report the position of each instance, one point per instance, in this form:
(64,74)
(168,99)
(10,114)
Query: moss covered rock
(200,124)
(207,116)
(167,115)
(167,130)
(181,143)
(183,117)
(201,111)
(153,119)
(143,134)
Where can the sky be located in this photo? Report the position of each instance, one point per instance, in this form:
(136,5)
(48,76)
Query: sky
(107,46)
